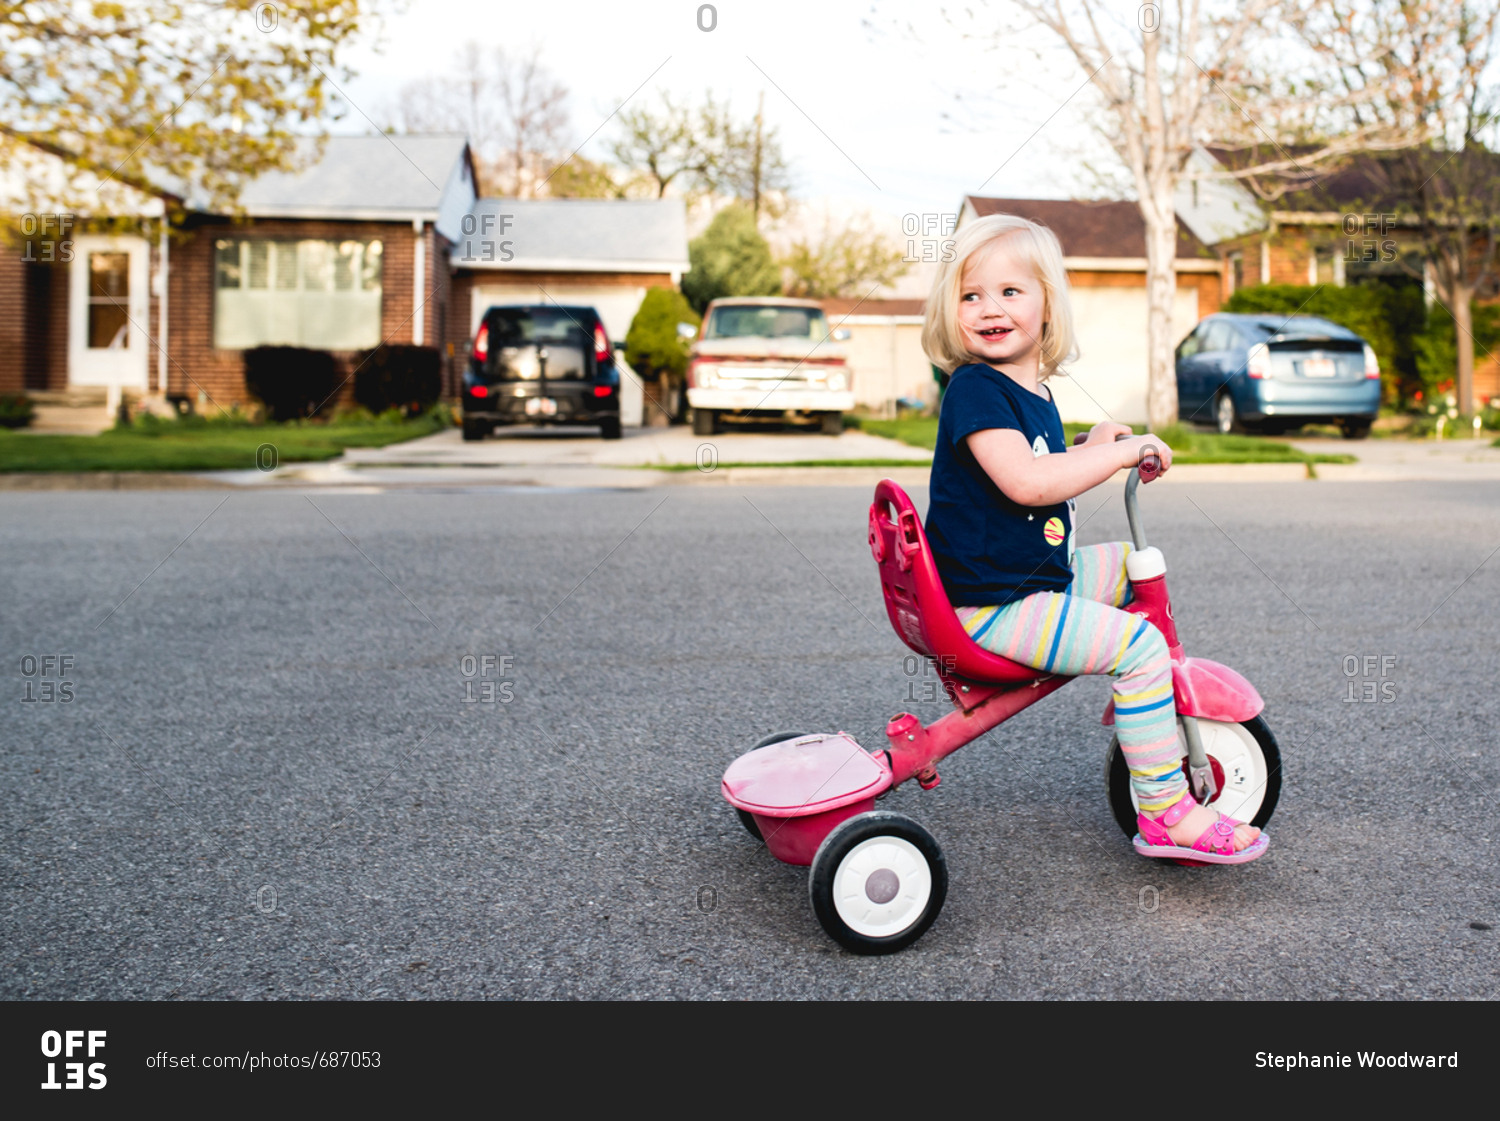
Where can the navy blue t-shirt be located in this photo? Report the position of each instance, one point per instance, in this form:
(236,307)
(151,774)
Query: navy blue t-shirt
(988,549)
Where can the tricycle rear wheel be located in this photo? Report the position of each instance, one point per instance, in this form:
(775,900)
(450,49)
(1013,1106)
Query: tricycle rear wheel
(1248,755)
(747,819)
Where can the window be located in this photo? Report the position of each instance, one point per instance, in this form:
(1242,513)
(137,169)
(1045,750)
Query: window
(1221,336)
(109,297)
(320,294)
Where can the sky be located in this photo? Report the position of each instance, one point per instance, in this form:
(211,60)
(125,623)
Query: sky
(883,108)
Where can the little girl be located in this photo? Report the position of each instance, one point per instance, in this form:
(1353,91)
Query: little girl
(1000,516)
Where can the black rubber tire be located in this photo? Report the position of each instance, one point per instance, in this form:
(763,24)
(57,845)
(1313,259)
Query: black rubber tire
(1118,778)
(1354,429)
(1226,416)
(475,429)
(609,428)
(747,819)
(703,422)
(832,424)
(831,854)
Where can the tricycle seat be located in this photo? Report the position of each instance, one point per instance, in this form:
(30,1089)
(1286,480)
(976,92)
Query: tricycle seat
(916,601)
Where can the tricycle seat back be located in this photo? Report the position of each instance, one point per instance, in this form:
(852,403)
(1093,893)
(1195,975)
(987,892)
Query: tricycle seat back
(916,601)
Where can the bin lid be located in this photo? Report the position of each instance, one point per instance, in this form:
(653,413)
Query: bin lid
(807,775)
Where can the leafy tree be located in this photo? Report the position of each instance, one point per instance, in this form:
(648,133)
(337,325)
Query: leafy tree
(1442,190)
(847,262)
(730,258)
(579,178)
(175,94)
(652,344)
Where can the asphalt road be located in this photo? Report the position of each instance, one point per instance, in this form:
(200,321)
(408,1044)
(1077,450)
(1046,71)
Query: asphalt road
(269,782)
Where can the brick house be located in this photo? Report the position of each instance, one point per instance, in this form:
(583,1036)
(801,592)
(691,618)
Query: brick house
(1104,251)
(1338,232)
(378,239)
(349,252)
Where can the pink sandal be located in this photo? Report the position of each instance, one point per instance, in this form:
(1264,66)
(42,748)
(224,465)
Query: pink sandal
(1215,846)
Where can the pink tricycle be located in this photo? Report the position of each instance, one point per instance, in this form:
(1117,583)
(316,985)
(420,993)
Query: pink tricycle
(879,879)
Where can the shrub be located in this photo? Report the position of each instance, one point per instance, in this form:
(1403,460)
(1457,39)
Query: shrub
(409,378)
(16,410)
(290,381)
(652,344)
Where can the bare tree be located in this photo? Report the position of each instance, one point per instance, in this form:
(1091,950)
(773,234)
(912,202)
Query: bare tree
(1445,192)
(1176,77)
(511,108)
(703,151)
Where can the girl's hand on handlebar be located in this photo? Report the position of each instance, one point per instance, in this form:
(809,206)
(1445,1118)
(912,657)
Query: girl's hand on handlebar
(1106,432)
(1137,448)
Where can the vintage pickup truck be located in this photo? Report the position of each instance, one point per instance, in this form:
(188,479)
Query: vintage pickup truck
(768,359)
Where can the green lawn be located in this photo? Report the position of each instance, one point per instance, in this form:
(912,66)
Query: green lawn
(1188,445)
(200,445)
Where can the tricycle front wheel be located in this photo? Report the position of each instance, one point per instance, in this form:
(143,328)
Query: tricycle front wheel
(878,881)
(1247,756)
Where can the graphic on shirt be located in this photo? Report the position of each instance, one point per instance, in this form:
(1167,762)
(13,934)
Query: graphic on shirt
(1053,531)
(1039,446)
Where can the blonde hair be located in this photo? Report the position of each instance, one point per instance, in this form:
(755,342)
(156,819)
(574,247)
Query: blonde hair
(1034,245)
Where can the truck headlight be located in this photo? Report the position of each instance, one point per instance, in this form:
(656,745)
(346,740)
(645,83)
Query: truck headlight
(837,381)
(705,377)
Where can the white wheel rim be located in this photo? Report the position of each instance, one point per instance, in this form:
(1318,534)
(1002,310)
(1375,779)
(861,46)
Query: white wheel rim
(1226,414)
(1244,768)
(863,884)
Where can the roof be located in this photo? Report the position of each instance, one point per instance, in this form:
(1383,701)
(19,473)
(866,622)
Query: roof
(583,235)
(1098,229)
(375,177)
(759,301)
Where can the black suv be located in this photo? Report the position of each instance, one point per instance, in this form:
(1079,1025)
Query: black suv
(541,364)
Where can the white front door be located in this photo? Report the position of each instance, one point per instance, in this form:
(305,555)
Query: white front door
(108,312)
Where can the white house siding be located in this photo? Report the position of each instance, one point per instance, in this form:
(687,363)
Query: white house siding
(1108,382)
(885,353)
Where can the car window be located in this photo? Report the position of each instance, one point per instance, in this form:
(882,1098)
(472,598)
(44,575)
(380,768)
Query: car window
(1192,344)
(532,326)
(768,322)
(1221,336)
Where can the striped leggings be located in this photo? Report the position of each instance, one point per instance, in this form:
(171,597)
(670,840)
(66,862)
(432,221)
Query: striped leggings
(1084,631)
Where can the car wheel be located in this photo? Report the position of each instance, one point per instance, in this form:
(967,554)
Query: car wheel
(1226,416)
(833,424)
(475,429)
(877,883)
(703,422)
(609,428)
(1246,763)
(1354,428)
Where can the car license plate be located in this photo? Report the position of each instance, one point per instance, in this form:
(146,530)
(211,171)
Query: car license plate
(1317,367)
(541,406)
